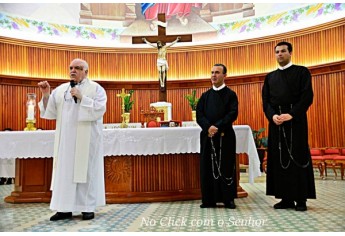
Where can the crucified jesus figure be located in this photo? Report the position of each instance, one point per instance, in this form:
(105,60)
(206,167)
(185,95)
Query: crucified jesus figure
(162,63)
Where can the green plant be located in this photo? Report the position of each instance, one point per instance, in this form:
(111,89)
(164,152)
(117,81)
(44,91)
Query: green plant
(128,102)
(192,99)
(258,139)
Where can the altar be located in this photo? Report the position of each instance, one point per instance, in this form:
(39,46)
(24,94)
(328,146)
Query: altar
(141,164)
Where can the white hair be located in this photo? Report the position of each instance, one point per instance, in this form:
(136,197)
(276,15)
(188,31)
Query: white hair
(85,64)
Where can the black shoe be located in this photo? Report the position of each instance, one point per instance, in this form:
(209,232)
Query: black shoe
(284,204)
(9,181)
(61,216)
(2,181)
(230,205)
(88,215)
(208,205)
(301,206)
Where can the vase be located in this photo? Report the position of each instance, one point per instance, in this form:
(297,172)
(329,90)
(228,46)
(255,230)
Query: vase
(126,116)
(193,115)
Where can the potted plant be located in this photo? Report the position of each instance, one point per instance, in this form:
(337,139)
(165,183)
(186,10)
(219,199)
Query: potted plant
(260,143)
(193,101)
(128,105)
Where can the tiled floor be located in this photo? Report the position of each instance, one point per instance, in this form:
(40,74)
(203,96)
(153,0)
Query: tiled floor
(253,214)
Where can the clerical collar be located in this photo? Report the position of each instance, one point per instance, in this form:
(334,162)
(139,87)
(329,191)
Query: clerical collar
(219,88)
(286,66)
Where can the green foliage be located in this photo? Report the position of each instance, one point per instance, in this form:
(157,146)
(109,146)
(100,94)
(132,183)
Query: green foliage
(258,139)
(128,102)
(192,99)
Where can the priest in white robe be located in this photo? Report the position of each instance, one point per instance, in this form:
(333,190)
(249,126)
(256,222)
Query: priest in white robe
(78,172)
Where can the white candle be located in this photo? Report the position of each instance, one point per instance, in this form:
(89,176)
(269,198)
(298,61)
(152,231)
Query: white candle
(31,112)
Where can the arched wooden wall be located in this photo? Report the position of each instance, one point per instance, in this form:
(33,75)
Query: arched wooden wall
(318,45)
(321,48)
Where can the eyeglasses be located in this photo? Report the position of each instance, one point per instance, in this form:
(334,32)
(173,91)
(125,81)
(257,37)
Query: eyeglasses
(76,67)
(67,96)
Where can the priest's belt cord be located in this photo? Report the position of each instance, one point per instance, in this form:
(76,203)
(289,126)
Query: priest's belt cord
(289,149)
(227,181)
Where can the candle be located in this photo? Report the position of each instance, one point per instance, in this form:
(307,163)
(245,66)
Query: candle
(31,112)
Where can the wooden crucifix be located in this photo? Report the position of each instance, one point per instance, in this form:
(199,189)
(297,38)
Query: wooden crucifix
(161,40)
(122,95)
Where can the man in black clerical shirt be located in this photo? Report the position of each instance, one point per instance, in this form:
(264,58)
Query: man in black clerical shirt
(286,95)
(216,110)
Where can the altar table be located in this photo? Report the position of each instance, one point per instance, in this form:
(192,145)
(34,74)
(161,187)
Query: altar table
(141,164)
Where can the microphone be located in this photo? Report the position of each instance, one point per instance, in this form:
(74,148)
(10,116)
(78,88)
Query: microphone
(73,84)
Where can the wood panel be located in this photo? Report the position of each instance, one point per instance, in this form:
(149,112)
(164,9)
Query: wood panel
(24,63)
(128,179)
(326,116)
(32,182)
(312,46)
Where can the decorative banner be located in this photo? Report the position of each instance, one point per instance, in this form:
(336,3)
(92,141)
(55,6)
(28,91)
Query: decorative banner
(226,31)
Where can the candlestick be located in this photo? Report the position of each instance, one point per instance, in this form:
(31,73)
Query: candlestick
(31,112)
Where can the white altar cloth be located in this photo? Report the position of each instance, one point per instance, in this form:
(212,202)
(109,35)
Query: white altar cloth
(130,141)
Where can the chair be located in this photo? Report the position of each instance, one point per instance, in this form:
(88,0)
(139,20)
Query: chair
(328,155)
(318,160)
(339,161)
(316,157)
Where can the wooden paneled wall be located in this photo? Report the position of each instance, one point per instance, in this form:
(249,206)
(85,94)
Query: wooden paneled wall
(326,115)
(317,45)
(321,48)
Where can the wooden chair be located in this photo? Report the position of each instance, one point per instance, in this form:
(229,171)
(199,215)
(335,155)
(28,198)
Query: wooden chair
(318,160)
(339,161)
(328,155)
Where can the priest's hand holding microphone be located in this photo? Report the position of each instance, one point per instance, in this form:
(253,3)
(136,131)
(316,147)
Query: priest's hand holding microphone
(76,94)
(45,89)
(76,74)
